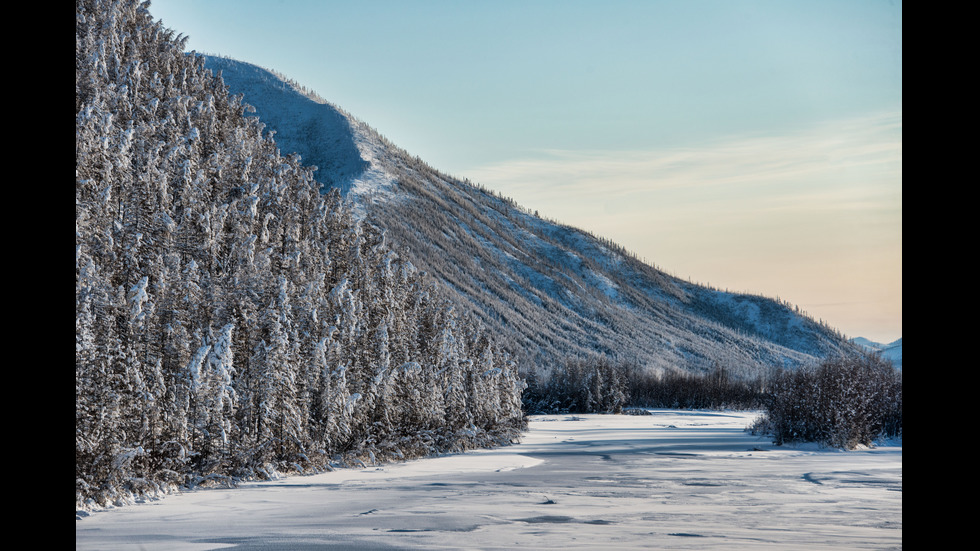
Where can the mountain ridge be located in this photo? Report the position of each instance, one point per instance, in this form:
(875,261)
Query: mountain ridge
(891,351)
(550,290)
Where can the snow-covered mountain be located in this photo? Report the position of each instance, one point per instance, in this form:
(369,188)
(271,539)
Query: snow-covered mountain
(547,290)
(891,351)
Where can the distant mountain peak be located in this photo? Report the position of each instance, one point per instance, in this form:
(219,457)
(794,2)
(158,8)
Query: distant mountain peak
(890,351)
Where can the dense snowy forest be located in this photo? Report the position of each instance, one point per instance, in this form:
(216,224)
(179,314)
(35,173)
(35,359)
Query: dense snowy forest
(231,321)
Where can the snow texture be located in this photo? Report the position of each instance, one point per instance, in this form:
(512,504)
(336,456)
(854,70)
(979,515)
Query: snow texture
(669,480)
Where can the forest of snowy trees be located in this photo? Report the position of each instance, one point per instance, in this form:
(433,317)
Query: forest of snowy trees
(231,321)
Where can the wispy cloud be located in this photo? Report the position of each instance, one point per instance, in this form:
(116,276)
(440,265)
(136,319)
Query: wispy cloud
(864,153)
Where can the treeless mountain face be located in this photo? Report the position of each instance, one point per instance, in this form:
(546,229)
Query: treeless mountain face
(546,290)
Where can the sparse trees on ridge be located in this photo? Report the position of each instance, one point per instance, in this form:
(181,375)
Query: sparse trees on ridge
(231,322)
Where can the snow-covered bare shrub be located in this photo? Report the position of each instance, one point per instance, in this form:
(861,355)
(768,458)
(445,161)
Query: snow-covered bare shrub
(842,403)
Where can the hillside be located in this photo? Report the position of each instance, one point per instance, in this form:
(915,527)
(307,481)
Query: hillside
(891,351)
(546,290)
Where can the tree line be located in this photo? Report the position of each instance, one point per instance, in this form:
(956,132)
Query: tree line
(841,402)
(600,385)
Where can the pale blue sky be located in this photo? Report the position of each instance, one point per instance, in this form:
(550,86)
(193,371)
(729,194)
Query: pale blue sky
(754,145)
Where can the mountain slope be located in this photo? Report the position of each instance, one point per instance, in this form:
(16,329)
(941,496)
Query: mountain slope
(891,351)
(547,290)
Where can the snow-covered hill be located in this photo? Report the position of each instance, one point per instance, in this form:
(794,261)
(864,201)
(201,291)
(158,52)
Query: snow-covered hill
(547,290)
(891,351)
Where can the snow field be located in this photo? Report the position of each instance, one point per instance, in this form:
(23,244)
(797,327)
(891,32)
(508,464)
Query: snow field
(669,480)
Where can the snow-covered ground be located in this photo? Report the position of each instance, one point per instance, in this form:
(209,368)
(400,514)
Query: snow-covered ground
(670,480)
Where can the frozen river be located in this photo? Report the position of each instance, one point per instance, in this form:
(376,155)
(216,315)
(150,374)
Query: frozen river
(670,480)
